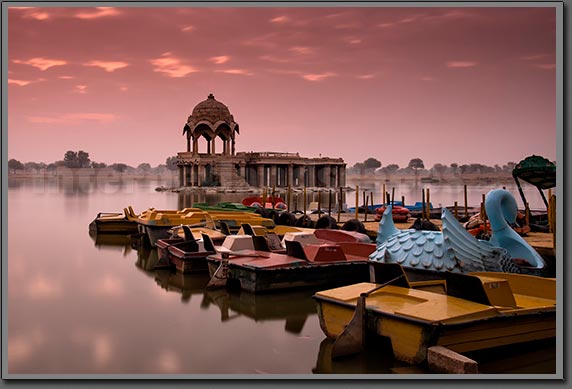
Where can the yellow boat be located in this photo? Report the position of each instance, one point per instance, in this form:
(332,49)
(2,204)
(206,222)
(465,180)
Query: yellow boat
(157,223)
(115,222)
(478,311)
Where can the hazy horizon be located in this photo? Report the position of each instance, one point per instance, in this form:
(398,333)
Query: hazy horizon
(447,85)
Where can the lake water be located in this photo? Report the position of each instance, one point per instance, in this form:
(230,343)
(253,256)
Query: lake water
(79,304)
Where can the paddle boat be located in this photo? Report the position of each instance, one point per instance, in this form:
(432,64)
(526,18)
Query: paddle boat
(270,202)
(474,311)
(456,250)
(400,214)
(157,223)
(225,206)
(115,222)
(187,255)
(308,262)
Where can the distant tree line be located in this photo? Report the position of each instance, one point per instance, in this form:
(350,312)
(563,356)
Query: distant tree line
(80,159)
(417,166)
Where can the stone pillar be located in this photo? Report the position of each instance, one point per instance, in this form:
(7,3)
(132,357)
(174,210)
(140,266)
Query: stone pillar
(260,175)
(243,170)
(188,141)
(185,168)
(181,176)
(342,176)
(208,147)
(273,175)
(214,146)
(290,180)
(191,175)
(312,175)
(195,146)
(200,173)
(301,170)
(233,147)
(327,179)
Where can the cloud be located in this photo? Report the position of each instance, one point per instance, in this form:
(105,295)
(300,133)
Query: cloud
(546,66)
(41,63)
(236,71)
(461,64)
(187,28)
(171,66)
(73,118)
(353,40)
(81,89)
(534,57)
(271,58)
(301,50)
(386,25)
(32,13)
(66,77)
(123,88)
(220,59)
(427,78)
(365,76)
(318,77)
(280,19)
(99,13)
(19,82)
(108,66)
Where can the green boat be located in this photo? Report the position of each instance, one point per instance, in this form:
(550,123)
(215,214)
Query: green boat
(225,206)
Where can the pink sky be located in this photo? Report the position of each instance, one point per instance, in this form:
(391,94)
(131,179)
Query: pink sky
(447,85)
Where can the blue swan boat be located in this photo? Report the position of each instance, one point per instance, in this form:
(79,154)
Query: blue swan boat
(456,250)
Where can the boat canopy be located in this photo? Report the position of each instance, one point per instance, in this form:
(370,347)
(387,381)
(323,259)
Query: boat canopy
(537,171)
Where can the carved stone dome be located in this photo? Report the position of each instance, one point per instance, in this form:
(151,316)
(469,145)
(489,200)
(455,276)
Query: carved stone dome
(212,111)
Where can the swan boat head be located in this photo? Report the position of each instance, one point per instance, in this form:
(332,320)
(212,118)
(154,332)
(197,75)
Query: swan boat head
(455,249)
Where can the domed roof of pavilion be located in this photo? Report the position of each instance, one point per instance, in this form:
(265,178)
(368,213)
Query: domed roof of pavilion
(212,111)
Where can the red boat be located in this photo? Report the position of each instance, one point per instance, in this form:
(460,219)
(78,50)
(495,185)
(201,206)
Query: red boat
(271,202)
(400,214)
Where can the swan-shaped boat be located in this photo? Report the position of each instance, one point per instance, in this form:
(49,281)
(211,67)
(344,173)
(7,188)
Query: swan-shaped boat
(456,250)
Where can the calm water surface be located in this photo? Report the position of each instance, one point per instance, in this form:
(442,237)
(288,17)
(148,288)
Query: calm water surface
(81,304)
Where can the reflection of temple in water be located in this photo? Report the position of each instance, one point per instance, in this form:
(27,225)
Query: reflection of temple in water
(212,121)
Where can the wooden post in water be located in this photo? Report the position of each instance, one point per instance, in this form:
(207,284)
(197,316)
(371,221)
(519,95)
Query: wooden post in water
(403,201)
(383,195)
(319,203)
(288,196)
(295,201)
(304,200)
(357,201)
(428,204)
(340,204)
(365,205)
(264,198)
(392,196)
(273,196)
(484,214)
(466,206)
(455,209)
(526,214)
(329,202)
(422,203)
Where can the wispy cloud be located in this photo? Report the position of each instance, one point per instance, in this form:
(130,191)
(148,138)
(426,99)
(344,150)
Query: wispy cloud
(81,89)
(20,82)
(100,12)
(123,88)
(318,77)
(271,58)
(187,28)
(546,66)
(220,59)
(31,13)
(108,66)
(352,40)
(427,78)
(461,64)
(41,63)
(66,77)
(171,66)
(301,50)
(365,76)
(280,19)
(241,72)
(534,57)
(73,118)
(405,20)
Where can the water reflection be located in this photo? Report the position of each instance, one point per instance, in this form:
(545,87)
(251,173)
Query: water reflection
(113,242)
(292,307)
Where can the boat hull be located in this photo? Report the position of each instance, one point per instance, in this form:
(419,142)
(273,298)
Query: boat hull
(459,325)
(260,279)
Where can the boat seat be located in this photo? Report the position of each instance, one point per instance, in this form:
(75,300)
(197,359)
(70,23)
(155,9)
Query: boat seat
(248,230)
(224,228)
(273,241)
(466,287)
(380,273)
(207,242)
(260,243)
(295,249)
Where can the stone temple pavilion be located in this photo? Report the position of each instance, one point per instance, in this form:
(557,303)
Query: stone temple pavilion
(220,165)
